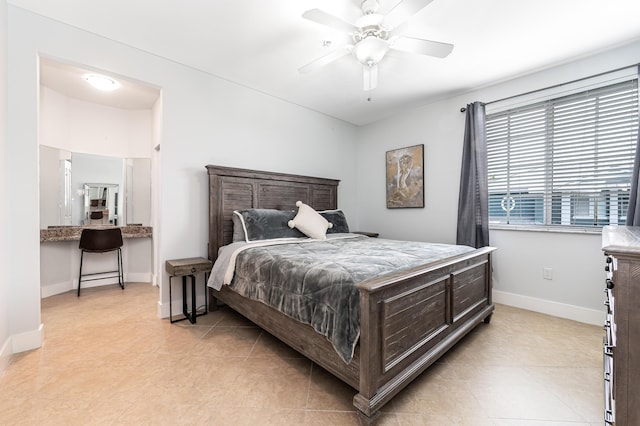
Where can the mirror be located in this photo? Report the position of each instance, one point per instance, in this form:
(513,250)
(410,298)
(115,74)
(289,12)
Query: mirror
(100,204)
(71,182)
(95,179)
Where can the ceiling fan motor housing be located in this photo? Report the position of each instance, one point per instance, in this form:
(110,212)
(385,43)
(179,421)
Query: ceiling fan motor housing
(370,25)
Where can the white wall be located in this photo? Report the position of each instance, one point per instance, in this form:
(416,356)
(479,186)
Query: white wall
(577,261)
(205,120)
(5,333)
(85,127)
(51,211)
(156,185)
(138,189)
(22,172)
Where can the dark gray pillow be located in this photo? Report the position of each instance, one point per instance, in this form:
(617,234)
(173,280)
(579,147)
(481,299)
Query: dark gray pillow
(266,224)
(338,219)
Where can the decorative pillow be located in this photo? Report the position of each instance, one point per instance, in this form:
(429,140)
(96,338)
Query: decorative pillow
(266,224)
(337,219)
(310,222)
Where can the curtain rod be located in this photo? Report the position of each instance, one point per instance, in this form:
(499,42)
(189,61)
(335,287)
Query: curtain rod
(463,109)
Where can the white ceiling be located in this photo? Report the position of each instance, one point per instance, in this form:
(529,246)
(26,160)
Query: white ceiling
(261,44)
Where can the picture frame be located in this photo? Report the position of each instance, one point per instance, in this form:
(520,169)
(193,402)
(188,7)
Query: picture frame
(405,177)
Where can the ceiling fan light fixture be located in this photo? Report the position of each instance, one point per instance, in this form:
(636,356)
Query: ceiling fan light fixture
(101,82)
(370,51)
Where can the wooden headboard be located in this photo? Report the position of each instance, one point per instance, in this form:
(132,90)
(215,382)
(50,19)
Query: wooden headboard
(235,189)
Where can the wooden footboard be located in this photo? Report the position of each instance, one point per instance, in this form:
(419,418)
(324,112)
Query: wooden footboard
(410,319)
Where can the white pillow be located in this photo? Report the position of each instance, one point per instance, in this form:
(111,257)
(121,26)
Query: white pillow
(310,222)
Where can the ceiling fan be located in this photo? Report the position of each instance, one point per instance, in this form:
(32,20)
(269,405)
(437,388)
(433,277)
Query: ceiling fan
(373,35)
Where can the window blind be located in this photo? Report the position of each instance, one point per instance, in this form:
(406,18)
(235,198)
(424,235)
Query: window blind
(565,161)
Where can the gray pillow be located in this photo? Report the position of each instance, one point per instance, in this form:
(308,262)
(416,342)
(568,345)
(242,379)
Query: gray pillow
(264,224)
(338,219)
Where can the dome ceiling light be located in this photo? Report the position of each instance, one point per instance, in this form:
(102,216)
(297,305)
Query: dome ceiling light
(101,82)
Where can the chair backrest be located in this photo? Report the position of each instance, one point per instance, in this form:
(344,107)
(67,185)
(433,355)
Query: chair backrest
(100,240)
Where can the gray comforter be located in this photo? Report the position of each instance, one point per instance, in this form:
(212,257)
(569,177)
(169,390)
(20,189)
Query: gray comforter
(313,281)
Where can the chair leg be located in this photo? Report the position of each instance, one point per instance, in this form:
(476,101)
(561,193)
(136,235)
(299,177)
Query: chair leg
(120,269)
(80,275)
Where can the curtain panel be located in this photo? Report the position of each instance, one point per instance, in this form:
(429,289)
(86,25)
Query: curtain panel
(633,212)
(473,201)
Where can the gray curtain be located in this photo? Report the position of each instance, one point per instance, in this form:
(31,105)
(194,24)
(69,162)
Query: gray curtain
(633,212)
(473,202)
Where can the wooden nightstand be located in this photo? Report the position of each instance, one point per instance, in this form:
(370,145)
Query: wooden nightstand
(188,268)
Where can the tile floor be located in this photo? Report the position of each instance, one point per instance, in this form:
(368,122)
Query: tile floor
(108,360)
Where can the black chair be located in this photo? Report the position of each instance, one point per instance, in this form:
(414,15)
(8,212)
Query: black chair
(101,241)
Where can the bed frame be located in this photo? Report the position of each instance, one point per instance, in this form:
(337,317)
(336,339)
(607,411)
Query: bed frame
(408,319)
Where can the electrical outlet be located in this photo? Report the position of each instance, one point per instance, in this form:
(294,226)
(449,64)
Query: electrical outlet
(547,273)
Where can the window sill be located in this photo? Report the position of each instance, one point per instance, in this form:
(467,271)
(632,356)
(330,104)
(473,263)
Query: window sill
(542,228)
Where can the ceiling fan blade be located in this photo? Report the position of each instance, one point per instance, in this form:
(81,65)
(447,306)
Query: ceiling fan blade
(324,18)
(370,77)
(325,60)
(398,31)
(404,10)
(422,47)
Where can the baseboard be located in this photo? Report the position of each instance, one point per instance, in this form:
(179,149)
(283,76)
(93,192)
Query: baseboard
(5,354)
(28,340)
(63,287)
(163,310)
(53,289)
(556,309)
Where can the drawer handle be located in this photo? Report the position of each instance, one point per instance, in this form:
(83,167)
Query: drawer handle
(610,283)
(193,270)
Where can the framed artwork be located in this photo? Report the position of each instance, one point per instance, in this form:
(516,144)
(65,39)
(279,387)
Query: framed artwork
(405,177)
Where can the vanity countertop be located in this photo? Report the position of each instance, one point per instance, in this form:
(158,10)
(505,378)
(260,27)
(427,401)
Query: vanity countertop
(72,233)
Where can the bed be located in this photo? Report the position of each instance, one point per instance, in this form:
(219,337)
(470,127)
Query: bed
(407,319)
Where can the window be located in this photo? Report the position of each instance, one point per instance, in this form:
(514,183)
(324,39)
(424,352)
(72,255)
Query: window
(565,161)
